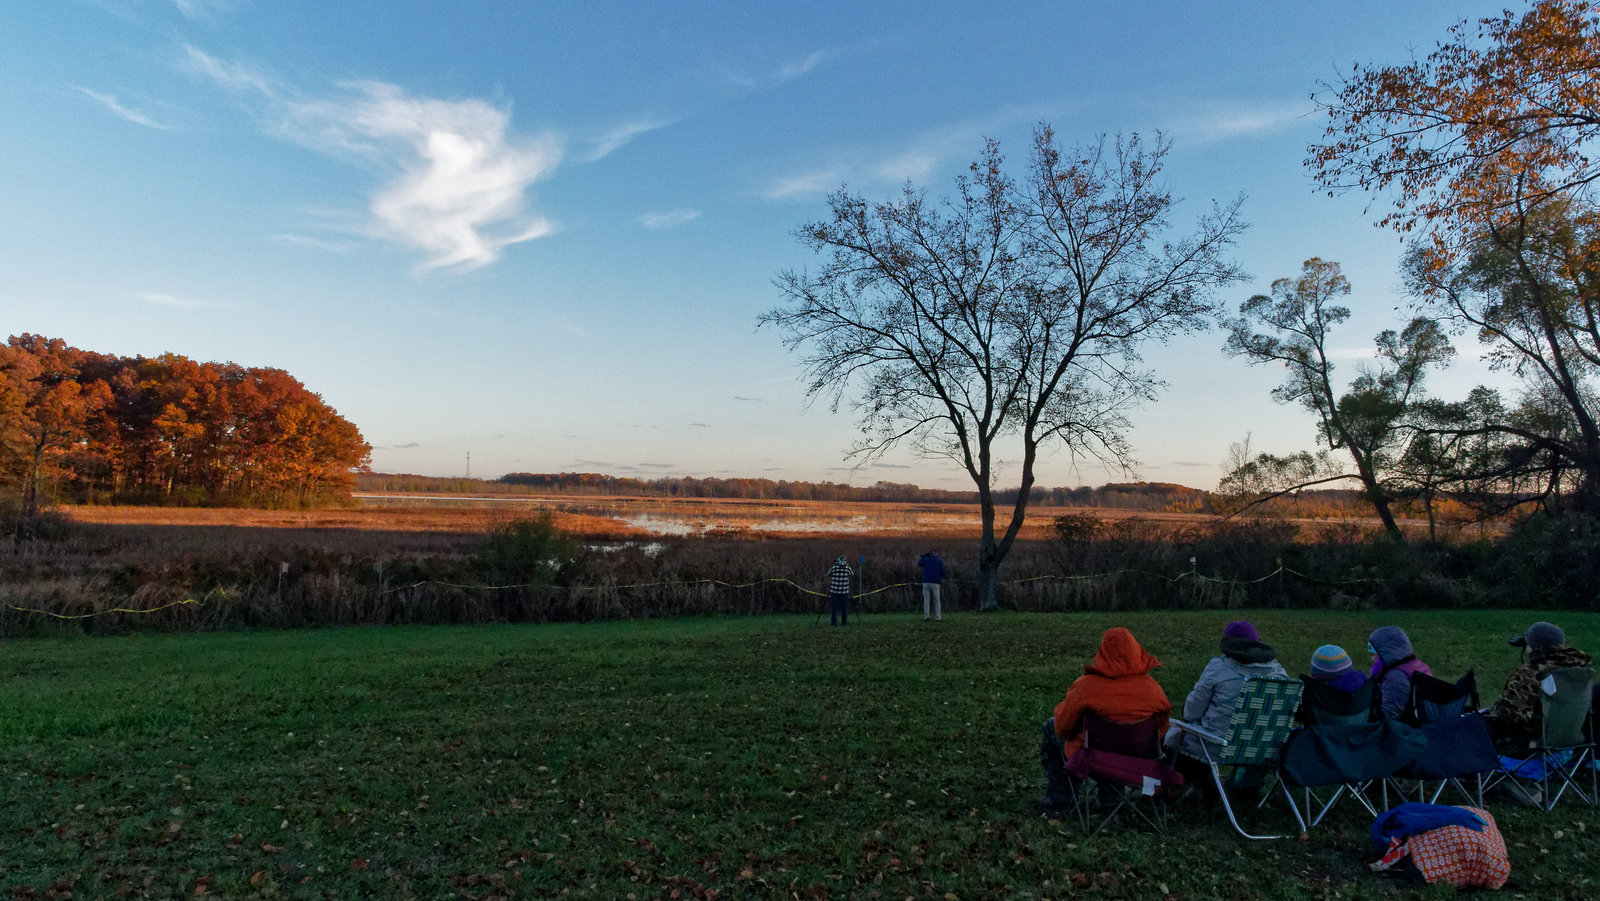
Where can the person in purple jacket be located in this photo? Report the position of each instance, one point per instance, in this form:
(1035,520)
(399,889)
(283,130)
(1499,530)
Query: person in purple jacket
(1331,665)
(1393,665)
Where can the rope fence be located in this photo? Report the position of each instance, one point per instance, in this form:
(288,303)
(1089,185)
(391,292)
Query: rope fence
(1278,572)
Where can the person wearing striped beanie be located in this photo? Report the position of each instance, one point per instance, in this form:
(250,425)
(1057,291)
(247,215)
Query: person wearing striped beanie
(1332,666)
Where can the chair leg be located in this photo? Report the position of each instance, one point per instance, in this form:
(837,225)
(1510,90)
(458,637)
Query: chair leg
(1227,806)
(1155,817)
(1570,774)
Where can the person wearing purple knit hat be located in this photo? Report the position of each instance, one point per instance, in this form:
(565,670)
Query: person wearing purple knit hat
(1211,703)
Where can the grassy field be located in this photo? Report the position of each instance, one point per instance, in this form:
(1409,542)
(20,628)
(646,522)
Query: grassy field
(692,758)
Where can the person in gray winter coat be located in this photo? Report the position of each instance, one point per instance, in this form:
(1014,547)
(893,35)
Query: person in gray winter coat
(1393,665)
(1211,703)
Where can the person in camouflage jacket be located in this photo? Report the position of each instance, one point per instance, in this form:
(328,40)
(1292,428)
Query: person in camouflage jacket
(1514,718)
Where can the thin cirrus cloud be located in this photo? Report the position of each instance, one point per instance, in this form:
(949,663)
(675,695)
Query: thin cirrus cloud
(817,181)
(169,300)
(317,243)
(110,102)
(203,9)
(624,134)
(789,71)
(461,192)
(916,159)
(669,219)
(1221,122)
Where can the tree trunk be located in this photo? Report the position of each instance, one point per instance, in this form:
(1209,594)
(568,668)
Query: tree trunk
(1377,497)
(988,584)
(988,558)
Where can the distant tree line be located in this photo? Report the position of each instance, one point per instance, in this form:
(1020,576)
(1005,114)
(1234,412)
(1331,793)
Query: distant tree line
(94,427)
(1147,496)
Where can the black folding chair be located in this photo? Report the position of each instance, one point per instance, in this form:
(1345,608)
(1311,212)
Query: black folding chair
(1323,705)
(1460,746)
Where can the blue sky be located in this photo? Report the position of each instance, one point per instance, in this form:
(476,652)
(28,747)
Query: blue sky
(541,233)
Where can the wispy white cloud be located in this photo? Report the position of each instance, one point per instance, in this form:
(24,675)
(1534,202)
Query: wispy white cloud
(793,70)
(461,193)
(168,300)
(110,102)
(785,72)
(203,9)
(804,183)
(463,177)
(232,76)
(916,158)
(622,135)
(668,219)
(316,243)
(1223,121)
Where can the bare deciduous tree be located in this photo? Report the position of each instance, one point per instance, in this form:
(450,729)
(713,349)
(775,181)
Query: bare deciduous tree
(1290,329)
(1010,311)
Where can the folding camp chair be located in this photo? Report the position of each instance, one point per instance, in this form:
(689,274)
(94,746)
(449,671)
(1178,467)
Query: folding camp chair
(1125,760)
(1565,748)
(1260,723)
(1331,763)
(1460,750)
(1433,699)
(1323,705)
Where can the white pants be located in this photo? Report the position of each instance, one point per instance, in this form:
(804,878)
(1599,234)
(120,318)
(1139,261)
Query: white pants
(930,596)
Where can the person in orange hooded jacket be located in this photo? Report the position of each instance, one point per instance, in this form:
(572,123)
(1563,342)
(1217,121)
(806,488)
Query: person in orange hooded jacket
(1117,686)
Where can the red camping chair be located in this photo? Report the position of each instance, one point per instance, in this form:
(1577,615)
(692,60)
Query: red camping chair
(1125,760)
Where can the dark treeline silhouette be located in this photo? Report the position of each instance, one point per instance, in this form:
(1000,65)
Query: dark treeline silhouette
(94,427)
(1151,496)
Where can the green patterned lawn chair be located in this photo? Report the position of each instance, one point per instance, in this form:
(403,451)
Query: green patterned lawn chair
(1260,723)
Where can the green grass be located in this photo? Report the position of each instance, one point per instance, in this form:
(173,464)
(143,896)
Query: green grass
(745,757)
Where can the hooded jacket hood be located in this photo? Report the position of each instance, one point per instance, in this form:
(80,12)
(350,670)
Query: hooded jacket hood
(1120,655)
(1392,645)
(1248,652)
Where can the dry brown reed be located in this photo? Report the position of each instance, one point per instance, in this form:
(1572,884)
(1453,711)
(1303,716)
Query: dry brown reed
(210,569)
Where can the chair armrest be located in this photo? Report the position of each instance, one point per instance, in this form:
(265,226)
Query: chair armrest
(1205,735)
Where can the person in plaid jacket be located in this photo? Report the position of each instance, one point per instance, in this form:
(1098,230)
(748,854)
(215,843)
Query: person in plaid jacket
(839,576)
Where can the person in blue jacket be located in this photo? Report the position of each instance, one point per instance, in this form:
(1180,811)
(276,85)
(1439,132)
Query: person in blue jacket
(932,575)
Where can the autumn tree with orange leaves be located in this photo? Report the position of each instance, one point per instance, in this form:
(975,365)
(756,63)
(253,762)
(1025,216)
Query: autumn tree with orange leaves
(1499,117)
(1487,148)
(166,429)
(43,410)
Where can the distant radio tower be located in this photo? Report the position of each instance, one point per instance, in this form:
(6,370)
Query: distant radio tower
(469,464)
